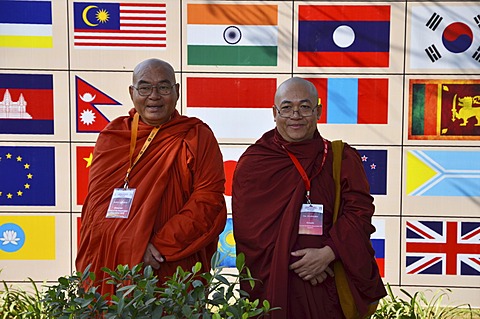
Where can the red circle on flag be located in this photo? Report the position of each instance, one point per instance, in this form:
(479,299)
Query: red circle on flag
(229,168)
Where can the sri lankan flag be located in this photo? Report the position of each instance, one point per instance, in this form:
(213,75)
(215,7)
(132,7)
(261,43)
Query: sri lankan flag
(444,110)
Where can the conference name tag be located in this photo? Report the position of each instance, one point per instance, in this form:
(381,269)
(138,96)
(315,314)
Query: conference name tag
(120,203)
(311,219)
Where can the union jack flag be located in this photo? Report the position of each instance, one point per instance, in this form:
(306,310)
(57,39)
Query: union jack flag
(443,248)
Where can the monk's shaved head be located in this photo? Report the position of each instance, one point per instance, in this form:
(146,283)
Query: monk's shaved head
(153,63)
(296,82)
(154,91)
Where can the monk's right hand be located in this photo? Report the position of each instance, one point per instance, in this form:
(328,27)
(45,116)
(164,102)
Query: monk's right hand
(152,257)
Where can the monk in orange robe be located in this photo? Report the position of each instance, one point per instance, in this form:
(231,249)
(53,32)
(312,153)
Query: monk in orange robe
(178,208)
(294,267)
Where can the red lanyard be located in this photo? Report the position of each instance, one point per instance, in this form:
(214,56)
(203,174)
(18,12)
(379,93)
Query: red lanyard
(303,174)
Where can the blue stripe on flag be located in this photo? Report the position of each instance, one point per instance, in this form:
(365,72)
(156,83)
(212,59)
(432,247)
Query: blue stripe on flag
(26,81)
(379,247)
(26,12)
(342,101)
(317,36)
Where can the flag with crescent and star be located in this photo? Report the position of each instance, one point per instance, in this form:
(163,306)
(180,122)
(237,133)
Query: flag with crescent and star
(120,25)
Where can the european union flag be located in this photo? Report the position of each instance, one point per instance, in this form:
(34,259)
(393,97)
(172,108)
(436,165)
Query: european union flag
(28,176)
(375,165)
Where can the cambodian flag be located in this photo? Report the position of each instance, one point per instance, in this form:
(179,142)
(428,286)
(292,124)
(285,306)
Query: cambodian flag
(26,104)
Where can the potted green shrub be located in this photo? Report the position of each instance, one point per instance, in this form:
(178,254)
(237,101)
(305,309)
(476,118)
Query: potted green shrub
(187,294)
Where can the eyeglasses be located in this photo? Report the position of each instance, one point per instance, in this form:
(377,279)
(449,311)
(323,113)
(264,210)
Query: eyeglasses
(288,111)
(147,89)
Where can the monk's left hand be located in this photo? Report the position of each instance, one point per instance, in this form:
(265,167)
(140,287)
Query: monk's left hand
(313,265)
(152,257)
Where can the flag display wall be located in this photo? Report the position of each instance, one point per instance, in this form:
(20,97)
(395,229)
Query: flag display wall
(398,80)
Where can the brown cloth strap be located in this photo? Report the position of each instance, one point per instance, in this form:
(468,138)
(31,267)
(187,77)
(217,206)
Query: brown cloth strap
(344,293)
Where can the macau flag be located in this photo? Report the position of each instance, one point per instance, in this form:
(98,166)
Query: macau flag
(27,237)
(27,176)
(353,100)
(226,246)
(343,36)
(26,24)
(27,104)
(444,109)
(232,34)
(443,173)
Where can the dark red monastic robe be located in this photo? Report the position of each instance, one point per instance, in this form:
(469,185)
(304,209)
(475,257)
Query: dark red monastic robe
(178,206)
(268,192)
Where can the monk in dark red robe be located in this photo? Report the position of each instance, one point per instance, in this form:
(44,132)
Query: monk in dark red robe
(178,209)
(295,269)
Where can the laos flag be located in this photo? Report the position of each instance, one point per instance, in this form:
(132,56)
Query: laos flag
(343,36)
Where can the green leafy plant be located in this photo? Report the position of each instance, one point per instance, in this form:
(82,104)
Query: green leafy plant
(417,306)
(187,294)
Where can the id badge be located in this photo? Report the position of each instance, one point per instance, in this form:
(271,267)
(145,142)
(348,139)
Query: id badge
(311,219)
(120,203)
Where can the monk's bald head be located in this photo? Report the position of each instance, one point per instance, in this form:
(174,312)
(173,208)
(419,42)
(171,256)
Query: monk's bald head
(292,84)
(153,64)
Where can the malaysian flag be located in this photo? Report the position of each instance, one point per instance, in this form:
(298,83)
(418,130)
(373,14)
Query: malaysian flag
(120,25)
(443,248)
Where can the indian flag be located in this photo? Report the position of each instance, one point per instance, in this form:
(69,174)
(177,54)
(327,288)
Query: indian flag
(234,108)
(232,34)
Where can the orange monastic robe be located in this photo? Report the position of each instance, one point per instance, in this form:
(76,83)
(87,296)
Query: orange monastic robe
(178,205)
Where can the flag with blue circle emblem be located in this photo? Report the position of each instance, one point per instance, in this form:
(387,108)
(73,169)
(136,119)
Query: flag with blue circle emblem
(27,237)
(226,246)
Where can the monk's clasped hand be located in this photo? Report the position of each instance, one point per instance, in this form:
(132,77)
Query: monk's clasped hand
(313,265)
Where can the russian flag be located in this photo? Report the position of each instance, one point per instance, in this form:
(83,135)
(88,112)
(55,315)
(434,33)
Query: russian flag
(343,36)
(378,243)
(26,104)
